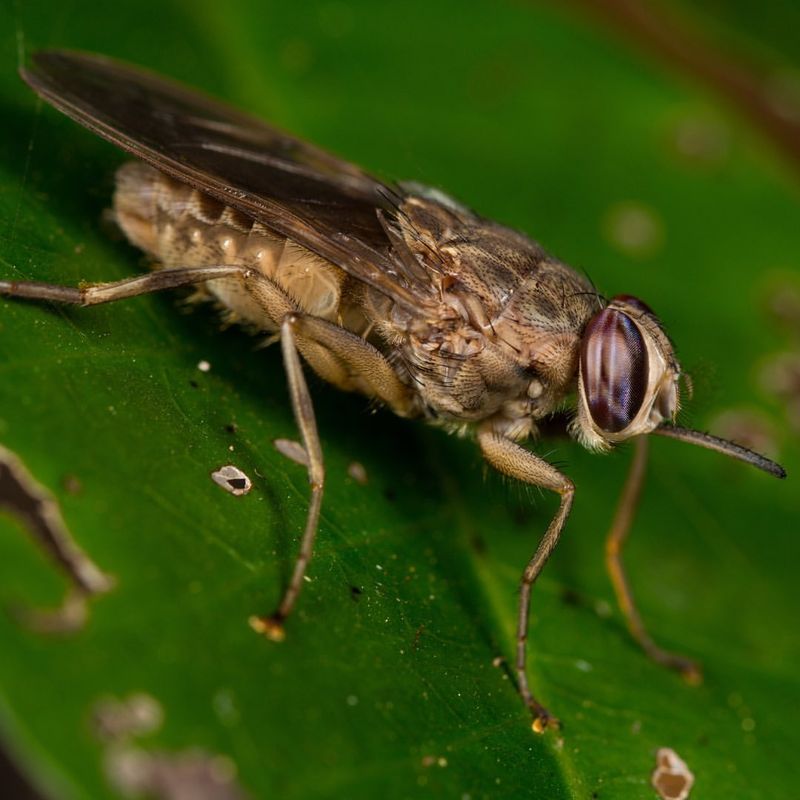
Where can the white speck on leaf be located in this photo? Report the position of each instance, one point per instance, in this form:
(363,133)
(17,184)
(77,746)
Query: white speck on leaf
(355,470)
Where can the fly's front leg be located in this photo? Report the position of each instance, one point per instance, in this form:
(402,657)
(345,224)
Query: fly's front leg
(517,462)
(615,539)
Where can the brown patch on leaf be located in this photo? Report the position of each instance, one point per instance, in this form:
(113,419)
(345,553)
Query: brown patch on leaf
(672,779)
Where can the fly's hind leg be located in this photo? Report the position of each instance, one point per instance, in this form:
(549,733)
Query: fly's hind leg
(509,458)
(615,539)
(272,626)
(92,294)
(348,362)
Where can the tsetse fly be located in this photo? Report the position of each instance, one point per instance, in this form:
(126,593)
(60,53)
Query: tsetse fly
(394,291)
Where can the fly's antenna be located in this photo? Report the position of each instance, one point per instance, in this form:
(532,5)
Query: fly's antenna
(602,300)
(722,446)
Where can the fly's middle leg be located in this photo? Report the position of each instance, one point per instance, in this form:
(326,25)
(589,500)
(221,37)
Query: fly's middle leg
(92,294)
(347,361)
(272,626)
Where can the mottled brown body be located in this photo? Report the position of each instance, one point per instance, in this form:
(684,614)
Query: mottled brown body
(394,291)
(497,330)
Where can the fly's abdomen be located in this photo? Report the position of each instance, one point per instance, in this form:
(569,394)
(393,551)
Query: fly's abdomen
(179,226)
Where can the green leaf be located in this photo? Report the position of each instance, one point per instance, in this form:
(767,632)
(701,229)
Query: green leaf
(385,684)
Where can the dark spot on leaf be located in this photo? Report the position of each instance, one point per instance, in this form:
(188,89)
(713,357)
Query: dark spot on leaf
(194,384)
(230,428)
(569,597)
(355,593)
(478,544)
(390,494)
(520,515)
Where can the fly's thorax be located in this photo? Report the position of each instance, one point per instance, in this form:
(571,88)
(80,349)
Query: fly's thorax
(628,376)
(462,375)
(507,338)
(179,226)
(542,325)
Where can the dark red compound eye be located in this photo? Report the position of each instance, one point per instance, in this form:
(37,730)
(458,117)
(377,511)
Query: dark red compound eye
(614,369)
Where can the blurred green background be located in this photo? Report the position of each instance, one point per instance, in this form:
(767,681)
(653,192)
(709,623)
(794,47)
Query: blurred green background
(536,114)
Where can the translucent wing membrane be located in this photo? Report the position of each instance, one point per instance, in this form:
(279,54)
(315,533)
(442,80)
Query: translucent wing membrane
(322,202)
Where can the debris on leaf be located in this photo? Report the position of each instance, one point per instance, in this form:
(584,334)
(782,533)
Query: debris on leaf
(672,779)
(24,497)
(204,366)
(232,479)
(190,774)
(115,720)
(294,451)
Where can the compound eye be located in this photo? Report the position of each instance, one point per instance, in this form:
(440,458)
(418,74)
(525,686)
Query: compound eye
(614,369)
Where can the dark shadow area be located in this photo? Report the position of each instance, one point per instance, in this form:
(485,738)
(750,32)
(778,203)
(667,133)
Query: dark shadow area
(14,785)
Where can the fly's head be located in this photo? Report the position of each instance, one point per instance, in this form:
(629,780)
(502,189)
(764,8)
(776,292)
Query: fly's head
(628,375)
